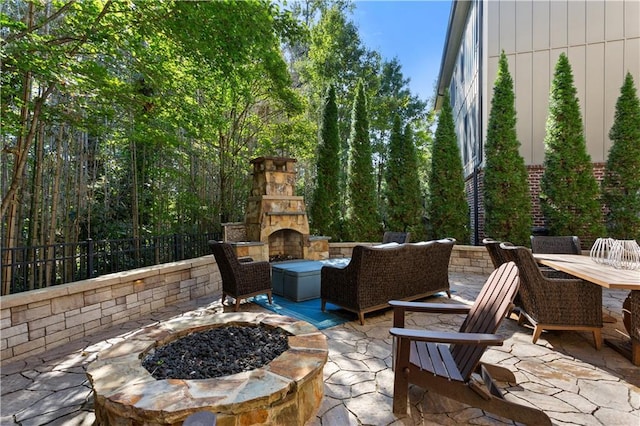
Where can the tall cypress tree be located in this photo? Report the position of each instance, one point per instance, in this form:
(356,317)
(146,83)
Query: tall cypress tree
(413,210)
(621,183)
(569,190)
(325,208)
(362,211)
(404,199)
(506,186)
(448,208)
(394,178)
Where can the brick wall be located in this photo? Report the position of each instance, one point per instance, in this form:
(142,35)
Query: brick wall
(535,176)
(39,320)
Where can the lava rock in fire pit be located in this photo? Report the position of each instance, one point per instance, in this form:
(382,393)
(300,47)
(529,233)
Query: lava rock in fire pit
(216,352)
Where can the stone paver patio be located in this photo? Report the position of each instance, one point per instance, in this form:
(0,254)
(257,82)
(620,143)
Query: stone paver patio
(562,374)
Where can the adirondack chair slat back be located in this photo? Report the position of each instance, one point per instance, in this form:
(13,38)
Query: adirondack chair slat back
(486,315)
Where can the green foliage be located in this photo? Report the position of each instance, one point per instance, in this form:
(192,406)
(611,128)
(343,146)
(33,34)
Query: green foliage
(325,207)
(334,55)
(506,186)
(448,208)
(180,92)
(621,183)
(362,212)
(393,178)
(391,97)
(403,195)
(176,97)
(569,191)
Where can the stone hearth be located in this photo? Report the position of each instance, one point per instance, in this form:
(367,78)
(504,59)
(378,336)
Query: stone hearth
(275,217)
(286,391)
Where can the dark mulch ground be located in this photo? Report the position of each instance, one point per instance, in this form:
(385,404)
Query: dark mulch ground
(216,352)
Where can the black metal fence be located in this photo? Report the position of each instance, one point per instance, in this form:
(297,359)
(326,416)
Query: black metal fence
(28,268)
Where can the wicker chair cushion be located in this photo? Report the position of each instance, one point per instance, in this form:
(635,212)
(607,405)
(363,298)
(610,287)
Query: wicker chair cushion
(554,301)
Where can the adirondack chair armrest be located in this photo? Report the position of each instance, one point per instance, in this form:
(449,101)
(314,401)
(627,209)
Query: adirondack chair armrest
(436,308)
(448,337)
(400,307)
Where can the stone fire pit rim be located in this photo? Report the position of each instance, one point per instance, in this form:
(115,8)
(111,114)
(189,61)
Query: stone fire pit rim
(123,386)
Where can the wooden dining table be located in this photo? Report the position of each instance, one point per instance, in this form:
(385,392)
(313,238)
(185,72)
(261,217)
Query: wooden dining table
(607,276)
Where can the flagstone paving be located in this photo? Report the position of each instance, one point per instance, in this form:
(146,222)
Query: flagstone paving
(562,374)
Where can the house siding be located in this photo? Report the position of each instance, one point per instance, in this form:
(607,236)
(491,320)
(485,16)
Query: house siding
(601,38)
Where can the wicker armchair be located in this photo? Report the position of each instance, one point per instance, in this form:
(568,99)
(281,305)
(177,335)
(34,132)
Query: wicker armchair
(498,258)
(559,244)
(493,248)
(396,237)
(556,304)
(240,279)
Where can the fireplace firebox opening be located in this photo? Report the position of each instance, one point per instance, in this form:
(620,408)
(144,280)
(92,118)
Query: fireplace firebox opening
(286,244)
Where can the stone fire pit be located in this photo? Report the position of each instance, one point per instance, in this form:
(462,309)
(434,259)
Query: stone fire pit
(286,391)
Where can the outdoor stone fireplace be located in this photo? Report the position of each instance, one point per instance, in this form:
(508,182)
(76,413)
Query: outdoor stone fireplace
(276,223)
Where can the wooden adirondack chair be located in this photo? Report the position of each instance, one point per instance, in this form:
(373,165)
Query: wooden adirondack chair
(443,362)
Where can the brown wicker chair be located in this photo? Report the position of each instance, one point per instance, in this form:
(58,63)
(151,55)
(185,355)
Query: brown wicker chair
(497,258)
(240,279)
(396,237)
(555,244)
(444,362)
(555,303)
(493,248)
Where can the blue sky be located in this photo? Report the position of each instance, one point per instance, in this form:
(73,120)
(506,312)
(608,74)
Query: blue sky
(412,31)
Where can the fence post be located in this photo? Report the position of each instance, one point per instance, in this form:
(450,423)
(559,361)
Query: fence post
(89,258)
(175,248)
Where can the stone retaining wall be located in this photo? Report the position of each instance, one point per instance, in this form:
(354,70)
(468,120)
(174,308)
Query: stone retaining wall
(464,259)
(35,321)
(39,320)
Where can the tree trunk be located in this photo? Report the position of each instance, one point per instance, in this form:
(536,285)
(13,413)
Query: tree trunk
(36,211)
(55,196)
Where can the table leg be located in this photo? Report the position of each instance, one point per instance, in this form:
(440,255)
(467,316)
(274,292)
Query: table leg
(630,349)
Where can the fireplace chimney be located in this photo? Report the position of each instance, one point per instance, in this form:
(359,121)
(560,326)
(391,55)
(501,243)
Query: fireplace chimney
(274,215)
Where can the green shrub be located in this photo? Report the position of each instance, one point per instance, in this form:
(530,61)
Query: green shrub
(325,208)
(569,191)
(362,210)
(448,208)
(403,196)
(621,183)
(506,185)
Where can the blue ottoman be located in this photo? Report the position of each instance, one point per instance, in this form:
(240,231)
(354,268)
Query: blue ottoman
(297,280)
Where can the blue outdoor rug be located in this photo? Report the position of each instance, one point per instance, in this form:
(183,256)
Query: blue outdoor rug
(308,311)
